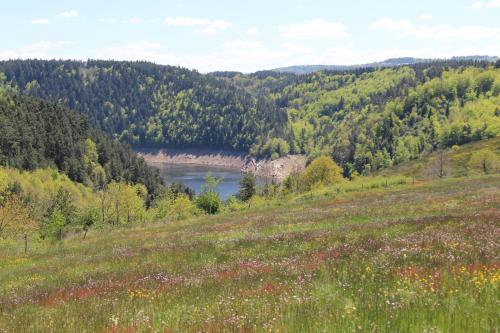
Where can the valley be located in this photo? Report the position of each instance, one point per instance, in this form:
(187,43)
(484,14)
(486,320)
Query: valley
(137,197)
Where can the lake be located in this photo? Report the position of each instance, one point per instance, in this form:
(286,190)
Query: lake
(194,176)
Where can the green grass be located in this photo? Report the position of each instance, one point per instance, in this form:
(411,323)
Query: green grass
(409,257)
(456,161)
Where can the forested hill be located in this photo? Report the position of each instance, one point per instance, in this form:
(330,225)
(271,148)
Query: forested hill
(365,118)
(146,104)
(37,134)
(369,119)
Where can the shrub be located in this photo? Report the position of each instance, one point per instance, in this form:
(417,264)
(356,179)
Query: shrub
(322,171)
(484,161)
(209,202)
(183,208)
(234,205)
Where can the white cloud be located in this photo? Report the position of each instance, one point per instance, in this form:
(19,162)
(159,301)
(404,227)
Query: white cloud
(47,45)
(252,32)
(206,27)
(214,26)
(109,20)
(425,17)
(446,32)
(69,14)
(298,48)
(486,4)
(406,28)
(42,21)
(242,44)
(142,50)
(316,28)
(134,20)
(41,50)
(184,21)
(390,24)
(234,55)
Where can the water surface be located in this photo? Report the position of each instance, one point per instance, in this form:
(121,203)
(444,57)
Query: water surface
(194,176)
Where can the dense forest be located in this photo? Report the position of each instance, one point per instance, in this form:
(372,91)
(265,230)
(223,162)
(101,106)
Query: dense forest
(41,134)
(368,118)
(145,104)
(365,118)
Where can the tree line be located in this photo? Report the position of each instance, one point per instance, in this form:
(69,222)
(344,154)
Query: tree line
(146,104)
(41,134)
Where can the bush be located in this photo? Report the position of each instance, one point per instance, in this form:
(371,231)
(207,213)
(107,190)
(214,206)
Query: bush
(183,208)
(234,205)
(322,171)
(484,161)
(209,202)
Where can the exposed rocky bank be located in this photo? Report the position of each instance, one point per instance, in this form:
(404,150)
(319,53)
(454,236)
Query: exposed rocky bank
(277,169)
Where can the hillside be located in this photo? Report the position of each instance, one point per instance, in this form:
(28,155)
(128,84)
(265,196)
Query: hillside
(40,134)
(370,119)
(455,161)
(410,257)
(151,105)
(367,119)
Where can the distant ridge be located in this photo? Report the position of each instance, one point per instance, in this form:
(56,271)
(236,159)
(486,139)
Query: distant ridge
(393,62)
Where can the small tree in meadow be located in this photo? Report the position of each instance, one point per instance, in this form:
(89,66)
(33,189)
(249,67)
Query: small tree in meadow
(16,219)
(88,218)
(173,206)
(247,187)
(60,213)
(440,164)
(55,224)
(322,171)
(209,200)
(484,161)
(183,208)
(127,203)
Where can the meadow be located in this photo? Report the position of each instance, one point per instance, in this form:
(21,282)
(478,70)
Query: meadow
(391,256)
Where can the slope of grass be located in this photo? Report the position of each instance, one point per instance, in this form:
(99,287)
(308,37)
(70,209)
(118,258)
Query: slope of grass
(422,257)
(455,162)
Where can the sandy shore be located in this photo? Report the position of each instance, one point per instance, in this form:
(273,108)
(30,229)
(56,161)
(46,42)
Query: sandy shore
(277,169)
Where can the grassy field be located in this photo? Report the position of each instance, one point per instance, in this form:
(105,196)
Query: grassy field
(415,257)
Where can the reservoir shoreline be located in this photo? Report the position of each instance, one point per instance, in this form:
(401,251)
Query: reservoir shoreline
(277,169)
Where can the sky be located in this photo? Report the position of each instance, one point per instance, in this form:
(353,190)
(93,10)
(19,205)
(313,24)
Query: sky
(248,35)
